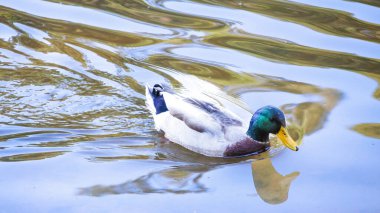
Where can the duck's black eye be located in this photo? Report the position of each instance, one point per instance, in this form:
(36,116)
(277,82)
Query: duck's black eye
(272,119)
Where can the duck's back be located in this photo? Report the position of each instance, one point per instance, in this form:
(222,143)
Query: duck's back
(198,125)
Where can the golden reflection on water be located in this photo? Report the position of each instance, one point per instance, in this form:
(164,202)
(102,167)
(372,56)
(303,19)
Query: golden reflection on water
(30,157)
(59,29)
(368,129)
(140,10)
(321,19)
(369,2)
(272,49)
(271,186)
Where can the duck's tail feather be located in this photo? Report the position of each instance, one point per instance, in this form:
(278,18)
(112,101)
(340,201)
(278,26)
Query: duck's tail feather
(149,99)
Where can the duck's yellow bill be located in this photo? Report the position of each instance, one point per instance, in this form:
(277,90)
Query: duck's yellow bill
(286,139)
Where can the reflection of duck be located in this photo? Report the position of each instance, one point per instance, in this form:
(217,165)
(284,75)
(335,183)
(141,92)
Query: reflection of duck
(271,186)
(209,129)
(177,180)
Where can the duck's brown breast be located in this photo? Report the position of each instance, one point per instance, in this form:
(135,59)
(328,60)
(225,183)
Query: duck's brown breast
(245,147)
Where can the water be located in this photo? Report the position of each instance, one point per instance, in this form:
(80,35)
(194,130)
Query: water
(75,134)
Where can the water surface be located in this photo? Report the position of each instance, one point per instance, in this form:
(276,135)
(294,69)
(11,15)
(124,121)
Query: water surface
(75,134)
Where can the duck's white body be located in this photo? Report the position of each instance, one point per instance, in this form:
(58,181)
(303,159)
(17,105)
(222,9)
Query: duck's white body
(200,126)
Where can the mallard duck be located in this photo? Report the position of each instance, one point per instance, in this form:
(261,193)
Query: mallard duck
(209,129)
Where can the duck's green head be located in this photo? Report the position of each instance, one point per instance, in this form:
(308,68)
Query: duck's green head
(267,120)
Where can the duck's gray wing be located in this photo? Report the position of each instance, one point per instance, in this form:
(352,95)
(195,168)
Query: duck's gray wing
(222,116)
(194,117)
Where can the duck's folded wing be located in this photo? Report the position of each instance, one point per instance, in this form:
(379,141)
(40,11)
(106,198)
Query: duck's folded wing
(223,116)
(193,117)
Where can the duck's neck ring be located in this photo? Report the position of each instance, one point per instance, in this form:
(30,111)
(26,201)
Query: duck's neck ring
(260,142)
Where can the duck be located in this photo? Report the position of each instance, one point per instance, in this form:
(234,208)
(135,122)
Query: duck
(210,129)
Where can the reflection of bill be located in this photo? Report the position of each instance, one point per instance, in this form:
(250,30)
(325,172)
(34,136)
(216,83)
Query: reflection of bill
(271,186)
